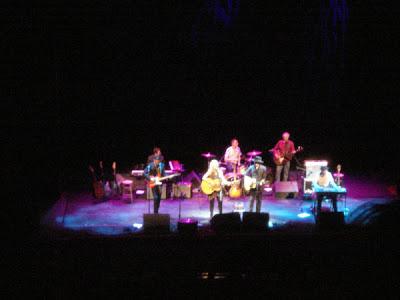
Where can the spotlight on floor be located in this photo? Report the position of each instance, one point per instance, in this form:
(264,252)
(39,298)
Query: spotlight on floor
(303,214)
(137,225)
(139,192)
(187,226)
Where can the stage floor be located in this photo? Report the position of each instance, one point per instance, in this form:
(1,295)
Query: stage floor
(79,212)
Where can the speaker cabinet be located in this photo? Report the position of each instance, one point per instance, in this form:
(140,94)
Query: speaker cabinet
(330,220)
(255,222)
(156,223)
(286,189)
(182,188)
(149,192)
(226,223)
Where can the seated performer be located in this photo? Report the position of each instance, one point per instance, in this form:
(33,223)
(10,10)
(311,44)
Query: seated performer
(213,173)
(155,169)
(282,152)
(156,152)
(232,156)
(258,172)
(325,180)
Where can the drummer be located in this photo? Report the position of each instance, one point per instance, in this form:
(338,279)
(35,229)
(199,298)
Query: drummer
(232,156)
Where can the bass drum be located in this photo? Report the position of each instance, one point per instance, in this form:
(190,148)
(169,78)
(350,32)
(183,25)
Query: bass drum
(231,176)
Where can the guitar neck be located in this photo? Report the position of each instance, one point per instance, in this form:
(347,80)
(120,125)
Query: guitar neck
(168,176)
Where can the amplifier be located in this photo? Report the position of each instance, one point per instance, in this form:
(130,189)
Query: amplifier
(182,188)
(149,192)
(286,189)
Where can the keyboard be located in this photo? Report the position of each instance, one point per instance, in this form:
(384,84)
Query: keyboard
(330,190)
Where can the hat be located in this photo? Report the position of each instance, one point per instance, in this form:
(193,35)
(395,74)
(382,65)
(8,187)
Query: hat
(324,168)
(258,160)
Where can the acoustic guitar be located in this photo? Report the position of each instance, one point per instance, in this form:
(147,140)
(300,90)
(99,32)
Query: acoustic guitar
(235,191)
(283,158)
(209,185)
(251,183)
(98,187)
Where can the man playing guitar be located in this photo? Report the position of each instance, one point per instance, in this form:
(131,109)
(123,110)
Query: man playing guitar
(257,174)
(232,156)
(154,170)
(283,153)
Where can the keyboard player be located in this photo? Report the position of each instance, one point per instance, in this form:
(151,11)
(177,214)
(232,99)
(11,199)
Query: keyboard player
(324,185)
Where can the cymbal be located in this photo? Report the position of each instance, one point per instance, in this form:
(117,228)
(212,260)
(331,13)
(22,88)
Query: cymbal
(208,155)
(254,153)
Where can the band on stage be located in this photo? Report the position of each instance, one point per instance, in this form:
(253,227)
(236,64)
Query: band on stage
(233,171)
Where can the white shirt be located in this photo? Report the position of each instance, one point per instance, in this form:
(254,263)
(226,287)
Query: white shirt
(233,155)
(326,180)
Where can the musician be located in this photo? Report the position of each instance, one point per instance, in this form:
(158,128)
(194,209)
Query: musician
(156,152)
(283,148)
(153,169)
(259,172)
(325,180)
(232,156)
(214,172)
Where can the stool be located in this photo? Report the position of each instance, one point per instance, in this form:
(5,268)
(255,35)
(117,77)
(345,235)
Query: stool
(126,189)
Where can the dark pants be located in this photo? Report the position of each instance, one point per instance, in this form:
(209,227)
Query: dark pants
(278,172)
(157,197)
(215,196)
(321,198)
(229,167)
(255,194)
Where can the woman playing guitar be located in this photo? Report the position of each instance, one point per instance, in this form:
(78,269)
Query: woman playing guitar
(212,183)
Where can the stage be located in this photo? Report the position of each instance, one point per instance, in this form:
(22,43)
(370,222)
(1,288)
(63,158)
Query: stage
(79,212)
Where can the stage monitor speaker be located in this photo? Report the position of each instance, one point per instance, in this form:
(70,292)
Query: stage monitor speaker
(286,189)
(330,220)
(149,192)
(138,183)
(156,223)
(255,222)
(226,223)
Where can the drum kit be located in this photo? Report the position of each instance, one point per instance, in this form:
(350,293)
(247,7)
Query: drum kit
(241,169)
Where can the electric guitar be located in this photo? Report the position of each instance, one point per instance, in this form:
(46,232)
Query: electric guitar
(281,159)
(114,184)
(157,180)
(251,183)
(98,187)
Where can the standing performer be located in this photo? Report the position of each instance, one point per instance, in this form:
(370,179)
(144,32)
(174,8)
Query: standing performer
(214,180)
(153,170)
(232,156)
(156,152)
(283,153)
(258,173)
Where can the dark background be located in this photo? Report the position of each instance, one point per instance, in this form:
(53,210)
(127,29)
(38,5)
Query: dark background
(113,79)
